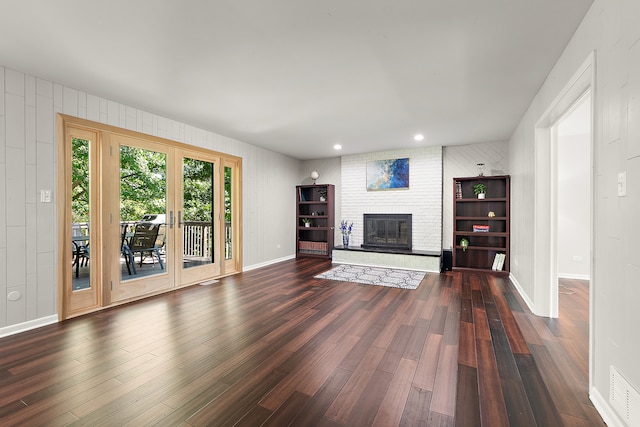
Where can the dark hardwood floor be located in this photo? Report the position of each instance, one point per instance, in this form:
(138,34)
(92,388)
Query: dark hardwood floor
(276,347)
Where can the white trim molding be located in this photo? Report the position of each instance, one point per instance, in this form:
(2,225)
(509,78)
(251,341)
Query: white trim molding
(27,326)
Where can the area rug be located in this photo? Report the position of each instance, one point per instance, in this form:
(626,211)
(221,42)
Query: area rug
(391,277)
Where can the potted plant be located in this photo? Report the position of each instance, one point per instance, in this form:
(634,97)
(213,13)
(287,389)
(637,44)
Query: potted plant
(323,194)
(480,190)
(464,244)
(306,222)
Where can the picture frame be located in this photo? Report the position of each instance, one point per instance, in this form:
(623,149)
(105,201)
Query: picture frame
(391,174)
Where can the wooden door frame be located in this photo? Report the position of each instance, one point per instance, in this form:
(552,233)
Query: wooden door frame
(93,296)
(136,287)
(190,276)
(104,233)
(233,265)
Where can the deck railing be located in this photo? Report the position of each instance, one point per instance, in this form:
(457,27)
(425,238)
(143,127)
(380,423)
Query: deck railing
(196,237)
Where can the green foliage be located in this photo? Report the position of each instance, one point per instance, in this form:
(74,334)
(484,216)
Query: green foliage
(227,194)
(479,188)
(143,189)
(80,180)
(198,190)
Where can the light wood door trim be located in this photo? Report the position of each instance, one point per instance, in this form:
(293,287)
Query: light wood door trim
(234,265)
(106,232)
(201,273)
(164,280)
(73,303)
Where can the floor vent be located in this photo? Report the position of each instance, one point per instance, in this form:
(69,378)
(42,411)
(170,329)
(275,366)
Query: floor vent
(624,398)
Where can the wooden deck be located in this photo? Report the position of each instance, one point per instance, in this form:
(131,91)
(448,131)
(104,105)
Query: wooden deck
(276,347)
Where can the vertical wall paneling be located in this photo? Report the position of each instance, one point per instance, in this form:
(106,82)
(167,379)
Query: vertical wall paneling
(610,31)
(28,106)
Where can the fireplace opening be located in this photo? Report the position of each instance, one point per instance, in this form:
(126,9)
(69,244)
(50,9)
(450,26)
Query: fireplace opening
(387,231)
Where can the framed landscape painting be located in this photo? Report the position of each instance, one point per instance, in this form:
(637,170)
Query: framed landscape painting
(387,174)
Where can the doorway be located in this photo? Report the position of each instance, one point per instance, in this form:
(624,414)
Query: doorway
(573,148)
(546,220)
(140,215)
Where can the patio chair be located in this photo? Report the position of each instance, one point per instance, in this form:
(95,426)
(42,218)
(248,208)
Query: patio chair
(80,243)
(125,250)
(144,241)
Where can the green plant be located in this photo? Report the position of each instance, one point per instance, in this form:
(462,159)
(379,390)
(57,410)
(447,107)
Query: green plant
(306,221)
(479,188)
(464,244)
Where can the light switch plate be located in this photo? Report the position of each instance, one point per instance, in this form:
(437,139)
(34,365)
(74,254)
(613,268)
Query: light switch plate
(622,183)
(45,196)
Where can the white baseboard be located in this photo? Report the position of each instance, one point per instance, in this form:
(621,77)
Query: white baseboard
(27,326)
(523,294)
(573,276)
(266,263)
(606,411)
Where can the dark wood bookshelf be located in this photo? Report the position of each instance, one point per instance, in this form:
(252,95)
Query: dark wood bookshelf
(469,210)
(316,239)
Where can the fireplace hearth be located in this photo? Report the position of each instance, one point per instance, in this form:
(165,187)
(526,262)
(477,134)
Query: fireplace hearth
(387,232)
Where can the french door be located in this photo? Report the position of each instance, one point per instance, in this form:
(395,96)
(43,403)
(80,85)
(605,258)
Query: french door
(156,215)
(197,218)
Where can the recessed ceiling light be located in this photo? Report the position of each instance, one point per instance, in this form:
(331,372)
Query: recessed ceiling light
(419,137)
(337,147)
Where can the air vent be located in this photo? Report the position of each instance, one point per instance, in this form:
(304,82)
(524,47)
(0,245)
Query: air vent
(624,398)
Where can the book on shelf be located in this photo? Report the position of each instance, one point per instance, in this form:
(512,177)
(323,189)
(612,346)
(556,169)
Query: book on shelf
(498,262)
(458,190)
(480,228)
(495,262)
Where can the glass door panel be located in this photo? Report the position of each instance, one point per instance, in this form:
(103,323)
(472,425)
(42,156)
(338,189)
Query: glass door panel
(228,227)
(196,221)
(144,261)
(143,203)
(80,213)
(232,229)
(82,291)
(197,213)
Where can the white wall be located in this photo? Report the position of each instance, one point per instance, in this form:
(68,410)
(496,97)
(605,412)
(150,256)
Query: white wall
(330,171)
(27,164)
(612,29)
(423,199)
(461,161)
(574,193)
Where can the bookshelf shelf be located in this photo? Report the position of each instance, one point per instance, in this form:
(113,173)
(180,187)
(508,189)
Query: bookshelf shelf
(484,247)
(317,239)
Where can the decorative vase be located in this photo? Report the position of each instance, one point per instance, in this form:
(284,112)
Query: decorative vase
(345,240)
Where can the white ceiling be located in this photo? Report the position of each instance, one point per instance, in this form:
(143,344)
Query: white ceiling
(298,76)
